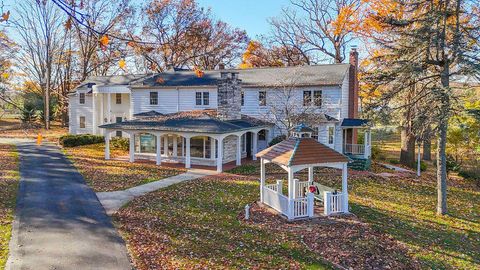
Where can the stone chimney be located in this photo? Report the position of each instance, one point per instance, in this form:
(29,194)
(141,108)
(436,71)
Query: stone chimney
(353,84)
(221,66)
(229,88)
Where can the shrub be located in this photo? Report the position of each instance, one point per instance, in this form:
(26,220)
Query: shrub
(277,140)
(77,140)
(120,143)
(452,164)
(393,161)
(377,153)
(423,166)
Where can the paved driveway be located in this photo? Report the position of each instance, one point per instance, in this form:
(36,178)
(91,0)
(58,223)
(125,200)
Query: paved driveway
(59,223)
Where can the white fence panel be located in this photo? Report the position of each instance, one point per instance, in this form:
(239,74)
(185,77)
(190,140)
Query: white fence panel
(333,203)
(275,200)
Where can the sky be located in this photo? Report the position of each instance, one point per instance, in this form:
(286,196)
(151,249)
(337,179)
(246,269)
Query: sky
(249,15)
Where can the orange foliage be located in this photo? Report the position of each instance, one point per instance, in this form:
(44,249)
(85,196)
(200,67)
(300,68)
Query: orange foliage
(104,42)
(5,16)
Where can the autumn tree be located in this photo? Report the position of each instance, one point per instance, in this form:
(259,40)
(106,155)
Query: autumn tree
(318,29)
(424,44)
(259,55)
(180,34)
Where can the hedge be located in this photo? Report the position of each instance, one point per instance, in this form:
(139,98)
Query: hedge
(83,139)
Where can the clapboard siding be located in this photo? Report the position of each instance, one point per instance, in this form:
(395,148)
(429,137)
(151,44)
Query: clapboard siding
(76,110)
(170,100)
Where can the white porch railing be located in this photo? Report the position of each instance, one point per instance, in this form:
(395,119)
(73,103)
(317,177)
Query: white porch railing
(333,203)
(354,149)
(274,199)
(301,187)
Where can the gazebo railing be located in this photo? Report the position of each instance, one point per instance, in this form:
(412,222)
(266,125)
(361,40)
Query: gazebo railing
(300,207)
(301,187)
(274,199)
(333,203)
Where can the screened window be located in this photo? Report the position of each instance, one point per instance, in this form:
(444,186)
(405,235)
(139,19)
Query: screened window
(118,98)
(82,121)
(243,98)
(262,98)
(312,98)
(317,98)
(202,98)
(81,98)
(331,134)
(307,98)
(153,98)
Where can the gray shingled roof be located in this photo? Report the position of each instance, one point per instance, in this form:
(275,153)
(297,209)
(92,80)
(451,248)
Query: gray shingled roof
(110,80)
(148,114)
(332,74)
(197,122)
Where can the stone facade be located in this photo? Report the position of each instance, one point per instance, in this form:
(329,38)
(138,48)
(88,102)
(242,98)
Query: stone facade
(230,149)
(229,96)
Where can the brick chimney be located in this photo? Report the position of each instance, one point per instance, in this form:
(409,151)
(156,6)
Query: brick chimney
(353,84)
(229,88)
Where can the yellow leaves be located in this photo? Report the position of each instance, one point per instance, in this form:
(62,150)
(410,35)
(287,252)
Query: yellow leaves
(347,21)
(5,75)
(122,63)
(104,42)
(5,16)
(198,72)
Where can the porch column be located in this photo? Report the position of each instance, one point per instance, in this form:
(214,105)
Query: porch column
(187,152)
(109,107)
(165,145)
(220,155)
(239,150)
(310,174)
(132,147)
(254,145)
(102,109)
(365,144)
(107,144)
(158,138)
(213,150)
(94,112)
(262,178)
(345,187)
(175,143)
(291,193)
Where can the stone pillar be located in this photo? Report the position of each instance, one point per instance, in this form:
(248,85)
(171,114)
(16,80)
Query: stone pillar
(254,145)
(187,153)
(107,144)
(158,149)
(220,155)
(239,151)
(132,147)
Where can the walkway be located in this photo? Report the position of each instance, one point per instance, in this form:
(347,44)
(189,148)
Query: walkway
(59,222)
(112,201)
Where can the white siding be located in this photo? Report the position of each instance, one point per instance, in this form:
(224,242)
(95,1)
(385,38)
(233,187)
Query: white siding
(76,110)
(344,98)
(170,100)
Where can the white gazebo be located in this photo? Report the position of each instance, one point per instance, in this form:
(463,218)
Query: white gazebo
(297,153)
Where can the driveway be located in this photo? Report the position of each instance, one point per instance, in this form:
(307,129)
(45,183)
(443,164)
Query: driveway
(59,222)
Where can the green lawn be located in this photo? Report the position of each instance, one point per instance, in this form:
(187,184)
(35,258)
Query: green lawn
(112,175)
(195,225)
(9,177)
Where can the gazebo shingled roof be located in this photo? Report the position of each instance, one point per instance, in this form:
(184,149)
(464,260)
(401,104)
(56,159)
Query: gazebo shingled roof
(301,151)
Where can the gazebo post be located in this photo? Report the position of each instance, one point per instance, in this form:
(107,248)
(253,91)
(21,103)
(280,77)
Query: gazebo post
(345,187)
(262,178)
(107,144)
(291,193)
(310,174)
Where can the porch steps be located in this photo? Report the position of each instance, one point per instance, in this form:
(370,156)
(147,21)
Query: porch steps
(360,164)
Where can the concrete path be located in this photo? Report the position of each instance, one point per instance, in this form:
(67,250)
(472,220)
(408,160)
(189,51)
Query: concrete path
(59,222)
(112,201)
(396,168)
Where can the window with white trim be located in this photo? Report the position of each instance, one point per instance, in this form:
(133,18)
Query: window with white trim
(242,99)
(153,98)
(82,121)
(331,135)
(262,98)
(202,98)
(312,98)
(315,133)
(81,98)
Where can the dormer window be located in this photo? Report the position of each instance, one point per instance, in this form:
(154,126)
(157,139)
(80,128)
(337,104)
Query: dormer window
(81,98)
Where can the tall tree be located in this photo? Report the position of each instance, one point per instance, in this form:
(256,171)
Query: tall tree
(258,55)
(426,44)
(40,30)
(319,29)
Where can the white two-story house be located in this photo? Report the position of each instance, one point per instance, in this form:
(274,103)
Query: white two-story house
(222,115)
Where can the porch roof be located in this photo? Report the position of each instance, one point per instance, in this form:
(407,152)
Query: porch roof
(354,122)
(200,121)
(301,151)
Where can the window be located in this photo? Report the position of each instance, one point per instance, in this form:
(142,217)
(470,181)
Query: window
(317,98)
(82,121)
(262,98)
(307,98)
(202,98)
(118,98)
(331,134)
(262,135)
(153,98)
(243,98)
(118,119)
(200,147)
(81,98)
(315,133)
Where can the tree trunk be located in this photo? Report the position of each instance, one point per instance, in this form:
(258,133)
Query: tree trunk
(427,148)
(407,152)
(442,168)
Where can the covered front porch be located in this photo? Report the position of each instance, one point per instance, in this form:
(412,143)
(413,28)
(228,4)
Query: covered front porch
(355,145)
(295,154)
